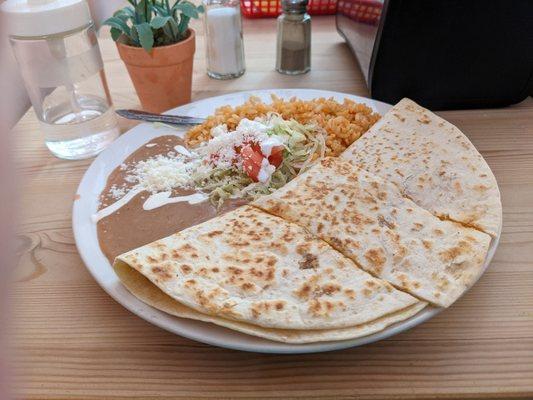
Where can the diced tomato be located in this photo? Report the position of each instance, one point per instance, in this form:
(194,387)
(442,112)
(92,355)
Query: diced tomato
(251,161)
(276,156)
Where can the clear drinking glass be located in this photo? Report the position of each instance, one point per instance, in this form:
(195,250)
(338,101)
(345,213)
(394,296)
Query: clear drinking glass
(65,80)
(223,37)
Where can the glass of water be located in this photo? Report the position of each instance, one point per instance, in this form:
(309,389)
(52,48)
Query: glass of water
(65,80)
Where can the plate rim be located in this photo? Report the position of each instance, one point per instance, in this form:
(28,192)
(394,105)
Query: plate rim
(158,318)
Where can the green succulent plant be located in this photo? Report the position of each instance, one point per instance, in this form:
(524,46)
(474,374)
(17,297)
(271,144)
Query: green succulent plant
(152,23)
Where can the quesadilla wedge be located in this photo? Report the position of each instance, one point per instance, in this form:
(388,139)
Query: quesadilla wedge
(253,267)
(147,292)
(386,234)
(433,163)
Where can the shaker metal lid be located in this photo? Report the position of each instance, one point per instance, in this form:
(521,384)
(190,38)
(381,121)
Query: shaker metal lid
(294,5)
(29,18)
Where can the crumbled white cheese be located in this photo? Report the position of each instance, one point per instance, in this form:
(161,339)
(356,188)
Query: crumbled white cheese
(117,192)
(162,173)
(219,130)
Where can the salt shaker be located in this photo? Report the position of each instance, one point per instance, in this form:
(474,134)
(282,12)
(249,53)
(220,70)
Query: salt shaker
(55,44)
(223,37)
(293,55)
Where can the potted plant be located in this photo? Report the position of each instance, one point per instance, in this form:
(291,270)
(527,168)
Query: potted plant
(156,44)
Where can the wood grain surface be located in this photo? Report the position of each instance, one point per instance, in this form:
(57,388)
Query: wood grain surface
(72,341)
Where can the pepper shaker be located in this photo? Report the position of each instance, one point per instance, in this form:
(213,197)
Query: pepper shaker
(293,54)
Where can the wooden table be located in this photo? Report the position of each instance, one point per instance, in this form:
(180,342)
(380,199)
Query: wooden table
(73,341)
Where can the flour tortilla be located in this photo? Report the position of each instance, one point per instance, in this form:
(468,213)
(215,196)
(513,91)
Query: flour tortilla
(147,292)
(253,267)
(433,163)
(386,234)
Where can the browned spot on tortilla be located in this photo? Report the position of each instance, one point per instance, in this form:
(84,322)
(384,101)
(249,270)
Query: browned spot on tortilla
(304,291)
(306,288)
(453,252)
(214,233)
(316,307)
(336,242)
(256,272)
(271,261)
(234,270)
(255,312)
(186,269)
(175,254)
(161,273)
(309,261)
(481,188)
(369,200)
(402,119)
(438,232)
(330,288)
(350,293)
(270,274)
(303,248)
(376,258)
(186,247)
(280,305)
(471,238)
(427,244)
(367,292)
(417,226)
(247,286)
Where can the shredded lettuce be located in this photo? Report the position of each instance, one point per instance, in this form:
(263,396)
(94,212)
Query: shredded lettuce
(304,145)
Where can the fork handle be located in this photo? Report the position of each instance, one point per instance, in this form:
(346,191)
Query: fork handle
(166,119)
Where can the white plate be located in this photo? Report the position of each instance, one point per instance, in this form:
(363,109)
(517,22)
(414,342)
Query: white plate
(94,181)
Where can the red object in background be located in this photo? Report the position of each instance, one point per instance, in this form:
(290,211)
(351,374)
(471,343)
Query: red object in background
(272,8)
(365,11)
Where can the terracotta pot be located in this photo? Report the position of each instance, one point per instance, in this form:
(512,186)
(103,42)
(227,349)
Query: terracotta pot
(163,77)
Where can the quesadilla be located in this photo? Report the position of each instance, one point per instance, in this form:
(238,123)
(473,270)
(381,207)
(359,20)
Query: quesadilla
(147,292)
(383,232)
(433,163)
(256,268)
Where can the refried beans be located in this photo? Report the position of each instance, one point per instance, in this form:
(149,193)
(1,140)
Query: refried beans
(131,226)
